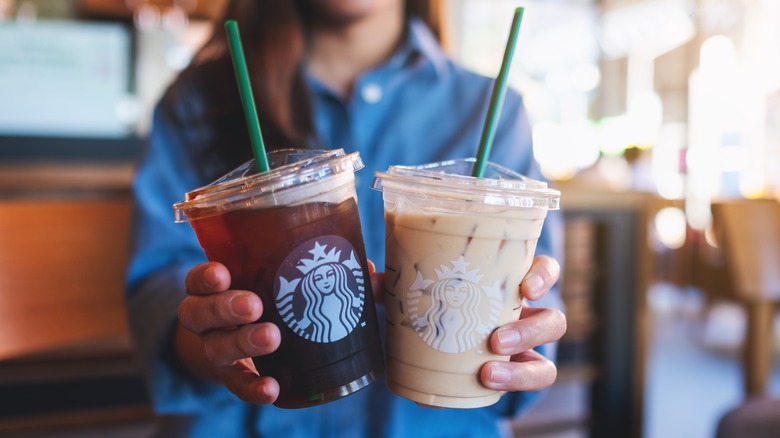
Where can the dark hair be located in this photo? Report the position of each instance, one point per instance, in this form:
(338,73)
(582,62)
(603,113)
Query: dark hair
(205,94)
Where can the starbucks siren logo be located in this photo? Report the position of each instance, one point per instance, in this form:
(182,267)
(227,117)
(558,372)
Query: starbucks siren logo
(460,313)
(321,297)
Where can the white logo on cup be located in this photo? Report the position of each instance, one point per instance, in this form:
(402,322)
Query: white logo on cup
(459,314)
(321,298)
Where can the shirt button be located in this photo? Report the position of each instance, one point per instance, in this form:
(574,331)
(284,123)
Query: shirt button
(371,93)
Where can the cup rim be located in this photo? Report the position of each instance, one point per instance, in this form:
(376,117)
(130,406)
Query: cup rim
(446,180)
(309,166)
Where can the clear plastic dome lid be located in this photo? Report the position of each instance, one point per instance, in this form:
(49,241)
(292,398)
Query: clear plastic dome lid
(289,169)
(452,180)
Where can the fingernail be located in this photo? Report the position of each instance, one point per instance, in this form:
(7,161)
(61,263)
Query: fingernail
(210,278)
(534,283)
(499,374)
(266,391)
(262,392)
(508,338)
(254,333)
(240,305)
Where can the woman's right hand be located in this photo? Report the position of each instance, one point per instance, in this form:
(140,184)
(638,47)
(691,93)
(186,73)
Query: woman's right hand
(217,334)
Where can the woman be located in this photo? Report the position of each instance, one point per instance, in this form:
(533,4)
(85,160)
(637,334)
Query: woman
(362,75)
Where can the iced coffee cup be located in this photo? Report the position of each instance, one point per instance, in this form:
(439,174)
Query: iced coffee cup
(292,235)
(457,248)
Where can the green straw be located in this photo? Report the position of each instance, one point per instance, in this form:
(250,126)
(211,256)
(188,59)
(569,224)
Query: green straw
(247,99)
(497,99)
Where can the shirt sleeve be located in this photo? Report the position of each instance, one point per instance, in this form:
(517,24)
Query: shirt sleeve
(513,148)
(163,252)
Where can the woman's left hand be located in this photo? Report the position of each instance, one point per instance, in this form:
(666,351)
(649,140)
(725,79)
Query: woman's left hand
(527,370)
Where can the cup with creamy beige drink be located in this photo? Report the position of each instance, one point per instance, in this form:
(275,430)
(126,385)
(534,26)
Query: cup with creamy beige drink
(457,248)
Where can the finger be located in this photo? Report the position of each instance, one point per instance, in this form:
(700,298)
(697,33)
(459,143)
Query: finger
(377,283)
(527,371)
(540,278)
(537,326)
(242,380)
(225,347)
(207,278)
(378,287)
(229,309)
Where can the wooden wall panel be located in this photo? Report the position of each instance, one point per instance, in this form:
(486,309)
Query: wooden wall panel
(62,265)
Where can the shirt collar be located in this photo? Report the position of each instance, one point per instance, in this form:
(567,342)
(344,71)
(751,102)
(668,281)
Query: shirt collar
(420,41)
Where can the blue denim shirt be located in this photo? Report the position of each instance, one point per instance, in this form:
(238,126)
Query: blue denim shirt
(418,107)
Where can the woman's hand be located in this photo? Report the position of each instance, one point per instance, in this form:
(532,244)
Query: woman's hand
(527,370)
(216,335)
(377,283)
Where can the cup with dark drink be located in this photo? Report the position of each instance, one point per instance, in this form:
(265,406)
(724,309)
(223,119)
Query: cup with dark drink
(292,235)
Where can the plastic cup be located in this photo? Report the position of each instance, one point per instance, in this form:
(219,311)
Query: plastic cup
(292,235)
(457,248)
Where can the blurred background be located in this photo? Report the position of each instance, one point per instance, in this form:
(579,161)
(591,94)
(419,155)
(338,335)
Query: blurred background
(659,120)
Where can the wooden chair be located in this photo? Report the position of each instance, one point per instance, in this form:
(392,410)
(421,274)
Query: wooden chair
(749,235)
